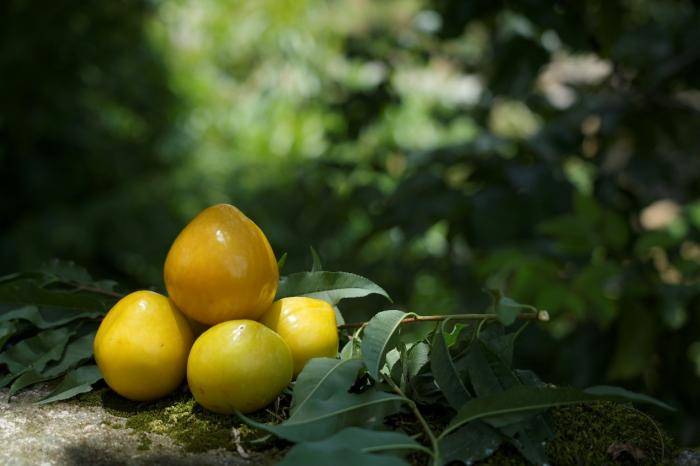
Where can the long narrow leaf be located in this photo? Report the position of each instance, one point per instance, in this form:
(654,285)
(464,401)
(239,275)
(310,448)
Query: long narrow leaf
(521,399)
(445,372)
(378,338)
(351,447)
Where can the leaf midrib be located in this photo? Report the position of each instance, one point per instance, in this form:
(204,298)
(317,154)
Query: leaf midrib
(287,423)
(318,385)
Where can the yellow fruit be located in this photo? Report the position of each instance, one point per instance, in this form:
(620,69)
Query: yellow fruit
(238,365)
(141,346)
(221,267)
(307,325)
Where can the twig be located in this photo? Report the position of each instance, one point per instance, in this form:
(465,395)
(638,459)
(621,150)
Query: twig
(541,316)
(236,434)
(428,431)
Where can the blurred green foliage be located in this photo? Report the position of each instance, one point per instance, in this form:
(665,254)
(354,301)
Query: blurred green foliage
(440,148)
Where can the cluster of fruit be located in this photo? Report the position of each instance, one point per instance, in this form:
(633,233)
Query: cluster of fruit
(219,326)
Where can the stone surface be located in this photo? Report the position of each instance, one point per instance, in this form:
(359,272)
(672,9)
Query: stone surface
(67,433)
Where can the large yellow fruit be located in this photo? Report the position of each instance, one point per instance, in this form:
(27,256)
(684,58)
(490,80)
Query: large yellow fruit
(141,346)
(308,326)
(221,267)
(238,365)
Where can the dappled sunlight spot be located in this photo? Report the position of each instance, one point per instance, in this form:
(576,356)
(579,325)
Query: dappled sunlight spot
(659,214)
(565,71)
(513,119)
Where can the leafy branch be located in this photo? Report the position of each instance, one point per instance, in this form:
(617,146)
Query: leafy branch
(540,316)
(48,320)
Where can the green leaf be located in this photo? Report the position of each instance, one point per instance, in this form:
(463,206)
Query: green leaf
(352,447)
(35,352)
(621,394)
(74,383)
(351,350)
(507,309)
(378,337)
(316,265)
(316,377)
(446,375)
(7,329)
(281,261)
(470,443)
(525,399)
(16,293)
(418,357)
(66,271)
(327,406)
(48,317)
(482,376)
(329,286)
(76,352)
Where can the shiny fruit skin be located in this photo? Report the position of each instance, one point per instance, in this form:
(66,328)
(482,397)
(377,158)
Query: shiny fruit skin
(238,365)
(221,267)
(308,326)
(141,346)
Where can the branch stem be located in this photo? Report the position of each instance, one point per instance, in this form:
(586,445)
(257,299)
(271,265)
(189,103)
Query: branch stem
(541,316)
(435,453)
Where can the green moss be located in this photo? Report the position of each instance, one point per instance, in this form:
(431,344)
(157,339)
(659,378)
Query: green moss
(144,442)
(585,433)
(184,421)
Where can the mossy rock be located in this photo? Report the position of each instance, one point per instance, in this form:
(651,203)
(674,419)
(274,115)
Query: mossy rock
(596,433)
(599,433)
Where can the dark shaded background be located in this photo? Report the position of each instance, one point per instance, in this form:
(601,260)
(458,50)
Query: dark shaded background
(551,151)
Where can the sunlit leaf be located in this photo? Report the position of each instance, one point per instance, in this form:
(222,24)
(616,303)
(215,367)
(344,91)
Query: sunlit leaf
(329,286)
(378,337)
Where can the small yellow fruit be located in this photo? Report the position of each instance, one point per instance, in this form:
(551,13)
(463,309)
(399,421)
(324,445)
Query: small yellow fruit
(238,365)
(221,267)
(141,346)
(307,325)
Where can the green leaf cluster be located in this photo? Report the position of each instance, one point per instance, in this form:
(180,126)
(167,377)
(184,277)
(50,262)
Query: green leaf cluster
(339,406)
(48,320)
